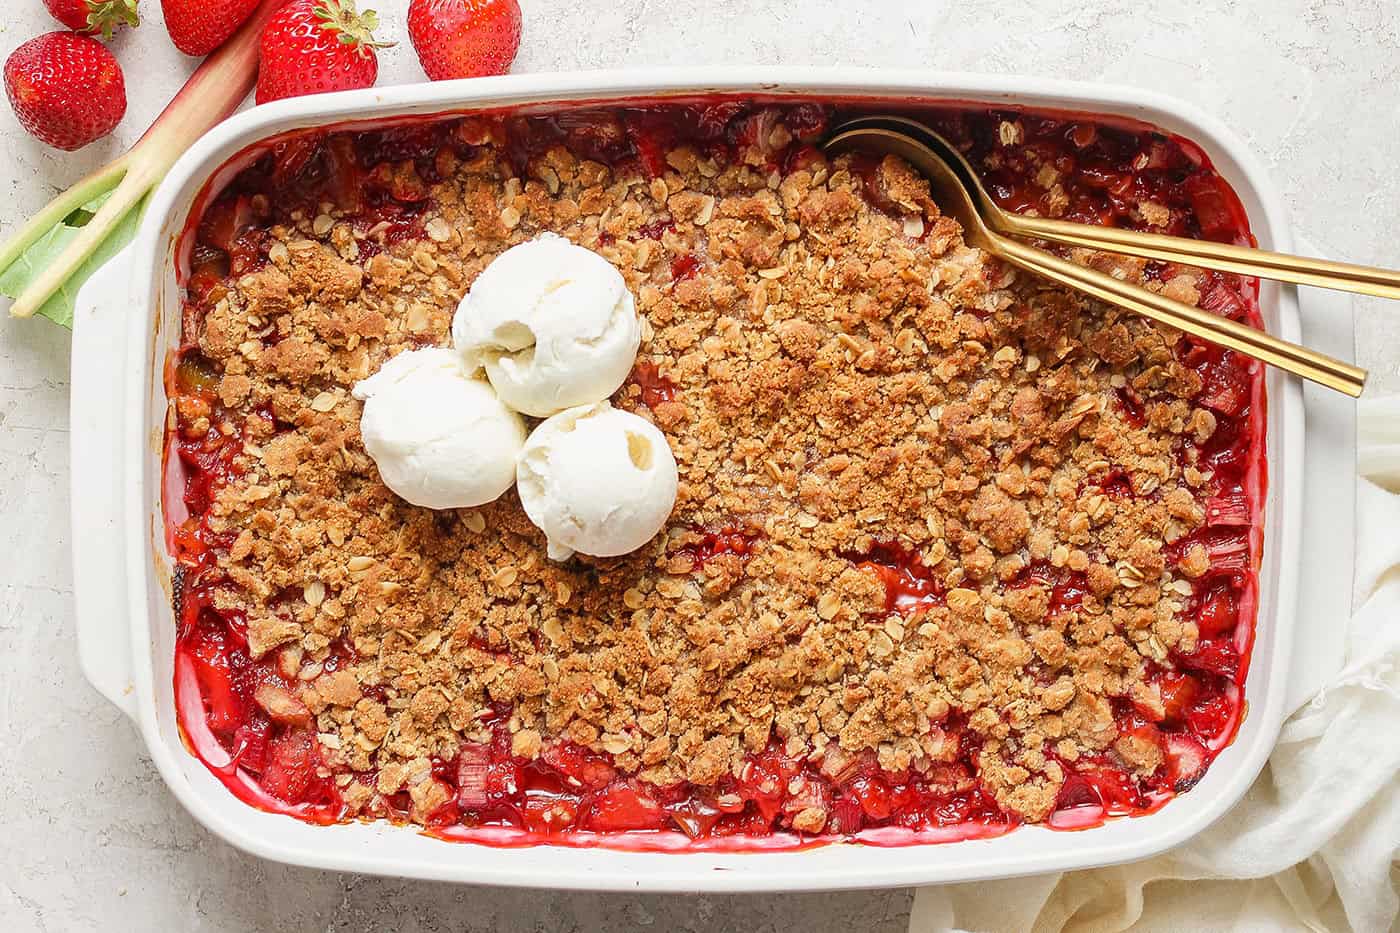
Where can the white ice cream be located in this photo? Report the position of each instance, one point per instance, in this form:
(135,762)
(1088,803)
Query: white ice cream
(440,436)
(597,480)
(553,323)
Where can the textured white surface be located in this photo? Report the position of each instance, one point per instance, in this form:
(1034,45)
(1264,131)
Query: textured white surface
(95,841)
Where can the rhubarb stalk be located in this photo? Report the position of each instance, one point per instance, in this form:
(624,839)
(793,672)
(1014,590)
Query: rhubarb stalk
(213,92)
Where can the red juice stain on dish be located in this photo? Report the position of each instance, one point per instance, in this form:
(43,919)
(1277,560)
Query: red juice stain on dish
(380,181)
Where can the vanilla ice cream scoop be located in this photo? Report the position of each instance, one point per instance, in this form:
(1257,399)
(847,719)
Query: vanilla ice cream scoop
(596,480)
(553,324)
(440,436)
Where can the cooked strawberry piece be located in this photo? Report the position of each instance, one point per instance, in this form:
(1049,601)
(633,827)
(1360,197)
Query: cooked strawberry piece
(1179,692)
(1213,657)
(226,220)
(1115,788)
(966,807)
(651,155)
(1078,791)
(1218,612)
(209,651)
(684,267)
(695,817)
(596,135)
(764,780)
(1215,205)
(548,813)
(655,387)
(807,121)
(250,747)
(625,806)
(1211,716)
(292,156)
(873,795)
(291,765)
(580,767)
(1186,761)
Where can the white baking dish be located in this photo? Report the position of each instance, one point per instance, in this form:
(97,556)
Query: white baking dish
(129,320)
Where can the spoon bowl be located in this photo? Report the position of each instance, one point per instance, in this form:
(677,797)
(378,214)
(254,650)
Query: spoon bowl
(956,189)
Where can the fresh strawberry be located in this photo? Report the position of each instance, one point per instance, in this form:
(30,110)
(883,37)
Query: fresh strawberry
(464,38)
(198,27)
(66,89)
(94,16)
(314,46)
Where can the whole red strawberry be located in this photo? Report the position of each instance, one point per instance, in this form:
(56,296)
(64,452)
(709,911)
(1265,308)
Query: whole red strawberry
(198,27)
(94,16)
(464,38)
(66,89)
(313,46)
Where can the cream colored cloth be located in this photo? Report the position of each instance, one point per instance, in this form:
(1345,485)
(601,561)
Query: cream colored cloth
(1314,843)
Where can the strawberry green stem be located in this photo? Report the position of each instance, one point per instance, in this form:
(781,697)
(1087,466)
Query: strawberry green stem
(104,16)
(212,93)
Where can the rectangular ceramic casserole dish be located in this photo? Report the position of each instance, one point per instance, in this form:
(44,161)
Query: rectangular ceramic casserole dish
(128,322)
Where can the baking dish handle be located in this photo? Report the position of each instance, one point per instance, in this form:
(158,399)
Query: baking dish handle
(95,417)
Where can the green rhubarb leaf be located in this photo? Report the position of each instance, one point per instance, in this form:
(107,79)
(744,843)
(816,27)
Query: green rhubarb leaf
(47,248)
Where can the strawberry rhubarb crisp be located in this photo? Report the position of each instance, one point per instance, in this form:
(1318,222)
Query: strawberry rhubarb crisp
(953,549)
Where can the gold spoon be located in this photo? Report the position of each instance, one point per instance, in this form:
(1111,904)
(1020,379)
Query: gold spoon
(960,195)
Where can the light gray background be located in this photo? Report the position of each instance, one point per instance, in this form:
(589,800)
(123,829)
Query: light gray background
(92,838)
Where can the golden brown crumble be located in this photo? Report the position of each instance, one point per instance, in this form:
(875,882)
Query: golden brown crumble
(842,376)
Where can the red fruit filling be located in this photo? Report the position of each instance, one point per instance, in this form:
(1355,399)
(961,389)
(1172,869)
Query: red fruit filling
(909,586)
(655,388)
(710,544)
(381,182)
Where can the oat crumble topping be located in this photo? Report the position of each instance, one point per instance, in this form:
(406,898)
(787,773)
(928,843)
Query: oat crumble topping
(917,519)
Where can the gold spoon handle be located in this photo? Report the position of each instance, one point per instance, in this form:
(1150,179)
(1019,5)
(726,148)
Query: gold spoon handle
(1300,270)
(1300,361)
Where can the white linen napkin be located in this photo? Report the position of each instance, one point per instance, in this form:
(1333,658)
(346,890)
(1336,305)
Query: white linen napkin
(1314,843)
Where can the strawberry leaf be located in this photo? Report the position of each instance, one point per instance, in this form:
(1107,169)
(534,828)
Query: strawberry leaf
(47,248)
